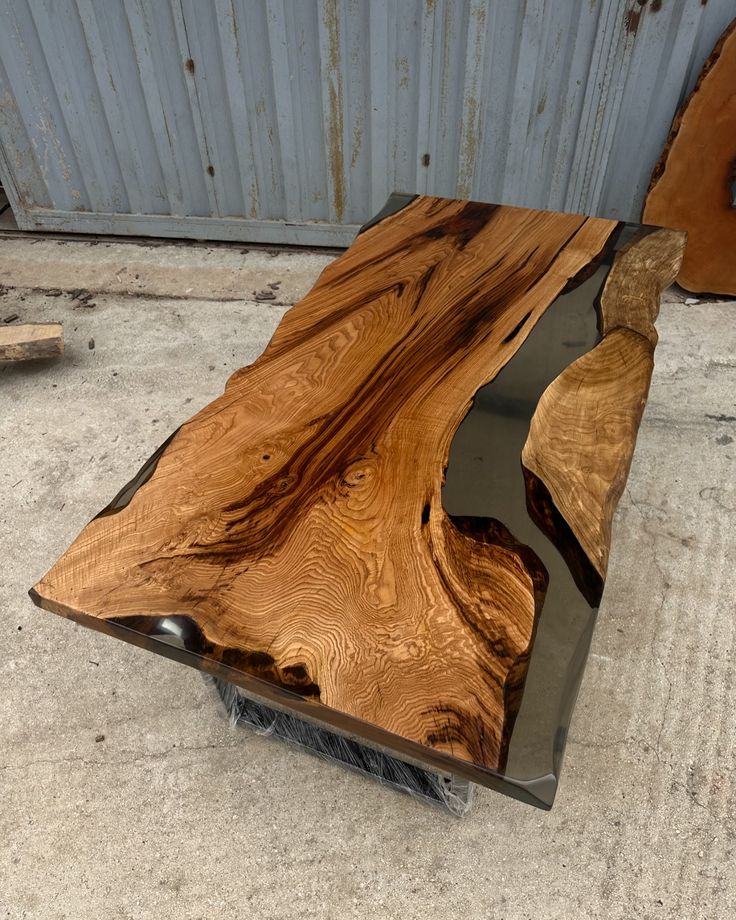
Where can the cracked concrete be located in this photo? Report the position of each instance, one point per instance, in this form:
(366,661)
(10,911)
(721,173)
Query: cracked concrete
(173,814)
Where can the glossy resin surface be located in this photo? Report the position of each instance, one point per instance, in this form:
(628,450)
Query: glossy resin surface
(396,523)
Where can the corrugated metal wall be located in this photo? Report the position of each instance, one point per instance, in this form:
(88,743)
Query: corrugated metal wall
(292,120)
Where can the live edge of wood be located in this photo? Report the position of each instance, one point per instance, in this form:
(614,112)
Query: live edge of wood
(293,530)
(581,439)
(694,182)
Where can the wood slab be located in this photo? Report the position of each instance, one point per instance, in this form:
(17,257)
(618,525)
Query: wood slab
(694,183)
(28,341)
(581,439)
(291,536)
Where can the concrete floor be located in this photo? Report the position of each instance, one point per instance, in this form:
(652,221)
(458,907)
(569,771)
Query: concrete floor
(175,815)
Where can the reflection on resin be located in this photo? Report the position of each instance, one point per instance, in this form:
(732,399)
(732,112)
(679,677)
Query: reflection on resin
(594,429)
(485,478)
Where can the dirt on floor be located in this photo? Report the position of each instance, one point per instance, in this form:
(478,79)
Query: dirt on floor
(124,793)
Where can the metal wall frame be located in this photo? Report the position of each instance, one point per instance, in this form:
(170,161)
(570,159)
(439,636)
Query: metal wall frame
(291,121)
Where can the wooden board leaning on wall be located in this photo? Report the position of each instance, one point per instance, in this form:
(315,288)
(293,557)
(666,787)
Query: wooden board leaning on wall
(694,183)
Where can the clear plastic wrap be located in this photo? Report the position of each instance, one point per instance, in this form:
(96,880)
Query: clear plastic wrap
(447,791)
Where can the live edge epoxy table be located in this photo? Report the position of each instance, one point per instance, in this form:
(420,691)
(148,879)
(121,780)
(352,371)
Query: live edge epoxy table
(391,531)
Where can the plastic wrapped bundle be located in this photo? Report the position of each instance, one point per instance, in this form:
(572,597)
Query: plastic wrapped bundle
(447,791)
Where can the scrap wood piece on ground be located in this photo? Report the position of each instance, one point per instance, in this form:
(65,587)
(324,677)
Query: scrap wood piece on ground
(31,340)
(694,183)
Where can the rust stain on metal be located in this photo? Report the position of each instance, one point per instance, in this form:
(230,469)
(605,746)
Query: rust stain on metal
(425,159)
(469,151)
(189,65)
(211,169)
(631,21)
(448,31)
(402,66)
(357,140)
(333,28)
(334,150)
(470,131)
(657,5)
(335,122)
(234,19)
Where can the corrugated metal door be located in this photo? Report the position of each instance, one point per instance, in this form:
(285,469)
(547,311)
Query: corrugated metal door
(292,120)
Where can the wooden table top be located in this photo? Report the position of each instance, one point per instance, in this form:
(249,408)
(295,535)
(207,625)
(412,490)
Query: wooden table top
(304,537)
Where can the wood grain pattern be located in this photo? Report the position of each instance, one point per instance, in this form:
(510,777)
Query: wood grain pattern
(29,341)
(581,439)
(642,270)
(296,522)
(694,183)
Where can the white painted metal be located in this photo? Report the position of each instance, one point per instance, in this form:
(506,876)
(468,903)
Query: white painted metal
(292,120)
